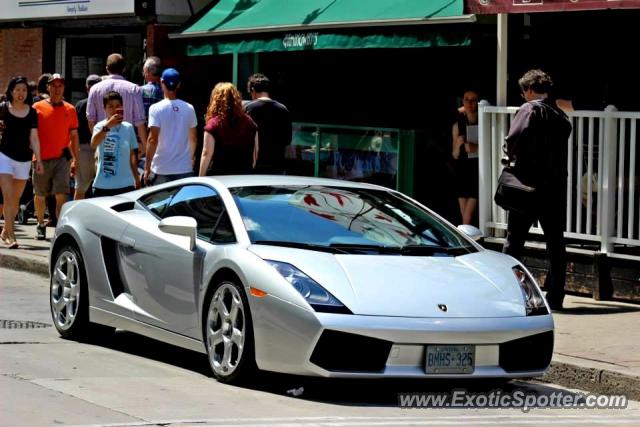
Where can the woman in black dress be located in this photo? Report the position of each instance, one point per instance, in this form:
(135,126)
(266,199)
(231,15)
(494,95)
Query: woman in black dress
(465,153)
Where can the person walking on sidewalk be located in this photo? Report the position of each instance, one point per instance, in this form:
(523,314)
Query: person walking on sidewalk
(18,143)
(116,142)
(86,167)
(274,125)
(537,152)
(58,133)
(43,92)
(130,92)
(172,135)
(151,90)
(230,144)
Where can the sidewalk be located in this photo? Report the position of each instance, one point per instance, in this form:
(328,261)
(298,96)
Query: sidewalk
(597,343)
(32,255)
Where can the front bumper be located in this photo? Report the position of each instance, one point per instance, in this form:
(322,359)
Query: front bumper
(290,339)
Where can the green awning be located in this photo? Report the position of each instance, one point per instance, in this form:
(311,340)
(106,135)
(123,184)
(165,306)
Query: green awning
(316,40)
(249,25)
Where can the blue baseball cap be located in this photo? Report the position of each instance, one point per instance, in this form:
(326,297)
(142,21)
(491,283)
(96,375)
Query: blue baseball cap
(171,78)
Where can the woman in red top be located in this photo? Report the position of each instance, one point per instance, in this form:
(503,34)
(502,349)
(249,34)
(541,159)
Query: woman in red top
(19,142)
(230,135)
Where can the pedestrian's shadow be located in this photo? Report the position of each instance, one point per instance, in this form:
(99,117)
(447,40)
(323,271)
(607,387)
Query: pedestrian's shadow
(29,247)
(26,235)
(346,392)
(586,308)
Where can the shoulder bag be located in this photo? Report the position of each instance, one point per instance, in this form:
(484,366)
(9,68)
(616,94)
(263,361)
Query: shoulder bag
(512,194)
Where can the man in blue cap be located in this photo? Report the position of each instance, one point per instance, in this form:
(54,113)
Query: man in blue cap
(172,134)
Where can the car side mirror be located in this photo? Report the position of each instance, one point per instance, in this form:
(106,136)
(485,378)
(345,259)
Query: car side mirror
(181,226)
(473,232)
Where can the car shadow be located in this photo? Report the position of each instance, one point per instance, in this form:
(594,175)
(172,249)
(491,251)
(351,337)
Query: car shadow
(388,392)
(338,391)
(139,345)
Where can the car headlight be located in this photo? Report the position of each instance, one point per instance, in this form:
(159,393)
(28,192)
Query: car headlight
(318,297)
(533,300)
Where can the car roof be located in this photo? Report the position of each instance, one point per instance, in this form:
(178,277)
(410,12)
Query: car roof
(232,181)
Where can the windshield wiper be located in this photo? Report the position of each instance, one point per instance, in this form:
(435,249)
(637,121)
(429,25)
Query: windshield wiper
(300,245)
(432,250)
(361,247)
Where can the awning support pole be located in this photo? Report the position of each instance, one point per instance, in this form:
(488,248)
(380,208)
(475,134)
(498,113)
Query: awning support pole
(501,78)
(234,78)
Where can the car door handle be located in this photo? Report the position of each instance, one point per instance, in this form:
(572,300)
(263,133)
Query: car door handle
(128,242)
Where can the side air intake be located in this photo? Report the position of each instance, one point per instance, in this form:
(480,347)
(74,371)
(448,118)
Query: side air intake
(110,256)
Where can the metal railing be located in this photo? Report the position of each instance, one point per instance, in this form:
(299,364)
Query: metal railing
(603,203)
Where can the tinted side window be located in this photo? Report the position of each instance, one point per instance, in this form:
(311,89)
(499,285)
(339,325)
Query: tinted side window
(159,201)
(200,202)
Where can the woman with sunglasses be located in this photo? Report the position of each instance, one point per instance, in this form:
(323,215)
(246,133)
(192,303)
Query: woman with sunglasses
(18,144)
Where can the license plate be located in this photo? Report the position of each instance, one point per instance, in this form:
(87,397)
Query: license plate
(450,359)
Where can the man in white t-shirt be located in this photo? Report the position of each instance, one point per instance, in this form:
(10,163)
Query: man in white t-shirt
(172,135)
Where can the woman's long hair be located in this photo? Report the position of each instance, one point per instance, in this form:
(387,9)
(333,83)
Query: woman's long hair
(225,103)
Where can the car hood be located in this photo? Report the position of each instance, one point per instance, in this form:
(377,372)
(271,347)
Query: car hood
(481,284)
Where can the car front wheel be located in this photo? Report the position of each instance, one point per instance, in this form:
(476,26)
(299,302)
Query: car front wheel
(229,334)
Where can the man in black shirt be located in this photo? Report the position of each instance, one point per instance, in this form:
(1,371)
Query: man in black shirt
(537,151)
(274,126)
(86,168)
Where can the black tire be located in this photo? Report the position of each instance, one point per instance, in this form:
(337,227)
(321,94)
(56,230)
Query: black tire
(69,297)
(244,369)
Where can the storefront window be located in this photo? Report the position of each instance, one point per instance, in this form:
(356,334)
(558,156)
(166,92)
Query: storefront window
(351,153)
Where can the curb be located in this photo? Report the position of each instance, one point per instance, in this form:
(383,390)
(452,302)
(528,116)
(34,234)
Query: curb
(594,380)
(16,262)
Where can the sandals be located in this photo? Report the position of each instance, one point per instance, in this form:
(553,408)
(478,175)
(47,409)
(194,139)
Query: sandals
(10,242)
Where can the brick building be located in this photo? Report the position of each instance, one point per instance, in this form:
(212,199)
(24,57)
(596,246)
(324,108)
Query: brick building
(74,38)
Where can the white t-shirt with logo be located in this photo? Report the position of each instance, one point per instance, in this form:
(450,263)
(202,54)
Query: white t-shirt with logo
(175,118)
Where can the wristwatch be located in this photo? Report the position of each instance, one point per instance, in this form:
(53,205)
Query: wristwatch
(105,128)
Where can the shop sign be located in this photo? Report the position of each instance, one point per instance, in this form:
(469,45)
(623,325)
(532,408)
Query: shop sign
(527,6)
(39,9)
(300,40)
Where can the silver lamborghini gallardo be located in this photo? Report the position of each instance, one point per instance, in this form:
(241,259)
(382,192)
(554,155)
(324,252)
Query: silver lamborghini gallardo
(298,275)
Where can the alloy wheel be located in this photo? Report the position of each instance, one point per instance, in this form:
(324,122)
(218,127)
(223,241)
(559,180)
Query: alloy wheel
(226,329)
(65,290)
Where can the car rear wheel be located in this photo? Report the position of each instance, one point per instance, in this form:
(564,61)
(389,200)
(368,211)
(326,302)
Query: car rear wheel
(69,296)
(229,334)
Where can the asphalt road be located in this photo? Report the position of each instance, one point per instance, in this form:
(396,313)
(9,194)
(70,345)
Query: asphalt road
(134,381)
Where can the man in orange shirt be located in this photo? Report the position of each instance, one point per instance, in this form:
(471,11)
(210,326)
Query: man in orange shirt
(59,143)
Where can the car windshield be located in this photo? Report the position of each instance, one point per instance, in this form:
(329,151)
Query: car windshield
(344,220)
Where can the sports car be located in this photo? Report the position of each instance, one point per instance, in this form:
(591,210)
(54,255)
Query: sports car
(297,275)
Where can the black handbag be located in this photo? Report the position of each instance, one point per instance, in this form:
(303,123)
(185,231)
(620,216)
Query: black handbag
(512,194)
